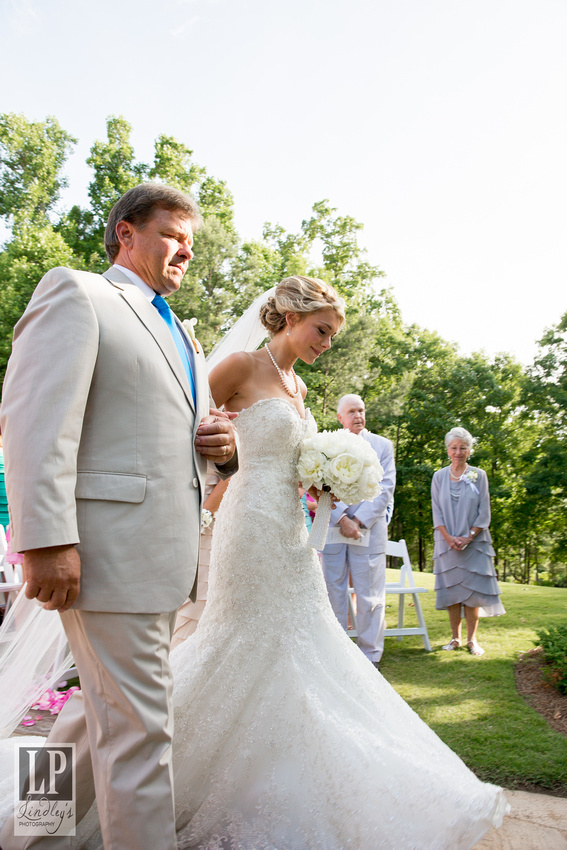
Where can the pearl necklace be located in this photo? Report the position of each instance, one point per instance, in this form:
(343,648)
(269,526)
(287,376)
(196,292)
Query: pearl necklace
(458,477)
(282,379)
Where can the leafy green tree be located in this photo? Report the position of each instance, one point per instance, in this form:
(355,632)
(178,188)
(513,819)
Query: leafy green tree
(206,292)
(216,201)
(420,388)
(115,168)
(415,385)
(342,263)
(32,156)
(545,399)
(292,249)
(421,421)
(173,165)
(115,171)
(31,253)
(256,267)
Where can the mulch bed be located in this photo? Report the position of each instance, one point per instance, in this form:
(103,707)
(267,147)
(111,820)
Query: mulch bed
(532,683)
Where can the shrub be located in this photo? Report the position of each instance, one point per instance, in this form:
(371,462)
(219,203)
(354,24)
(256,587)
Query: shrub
(554,644)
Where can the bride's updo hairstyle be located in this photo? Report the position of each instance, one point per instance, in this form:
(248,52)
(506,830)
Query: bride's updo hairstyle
(301,295)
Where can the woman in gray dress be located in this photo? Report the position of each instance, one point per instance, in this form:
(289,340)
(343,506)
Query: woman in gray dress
(465,580)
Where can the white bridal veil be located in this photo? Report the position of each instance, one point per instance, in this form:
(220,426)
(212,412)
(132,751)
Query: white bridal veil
(34,655)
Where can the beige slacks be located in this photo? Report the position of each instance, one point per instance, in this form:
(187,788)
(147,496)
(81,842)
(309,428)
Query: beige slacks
(122,724)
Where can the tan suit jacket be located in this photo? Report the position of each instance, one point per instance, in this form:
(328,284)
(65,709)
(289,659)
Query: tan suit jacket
(99,424)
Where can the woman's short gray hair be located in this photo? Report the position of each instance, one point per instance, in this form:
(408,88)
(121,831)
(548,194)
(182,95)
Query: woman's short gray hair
(459,434)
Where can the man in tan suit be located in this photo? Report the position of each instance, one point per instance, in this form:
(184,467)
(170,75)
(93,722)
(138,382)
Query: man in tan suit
(107,430)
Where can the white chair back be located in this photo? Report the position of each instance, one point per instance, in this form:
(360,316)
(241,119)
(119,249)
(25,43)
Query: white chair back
(406,584)
(11,575)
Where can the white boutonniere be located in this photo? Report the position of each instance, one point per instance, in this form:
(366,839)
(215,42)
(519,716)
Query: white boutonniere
(189,325)
(206,518)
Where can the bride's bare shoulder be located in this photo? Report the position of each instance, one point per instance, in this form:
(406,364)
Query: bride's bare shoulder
(240,363)
(232,375)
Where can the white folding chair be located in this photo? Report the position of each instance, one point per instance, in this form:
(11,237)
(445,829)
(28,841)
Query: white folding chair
(11,575)
(406,584)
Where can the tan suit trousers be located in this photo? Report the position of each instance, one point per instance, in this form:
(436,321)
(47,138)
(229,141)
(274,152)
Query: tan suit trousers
(122,724)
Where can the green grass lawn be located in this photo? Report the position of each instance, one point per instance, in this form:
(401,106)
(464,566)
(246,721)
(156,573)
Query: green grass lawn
(472,703)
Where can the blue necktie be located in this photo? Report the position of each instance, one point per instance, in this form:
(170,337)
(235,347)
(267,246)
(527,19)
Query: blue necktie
(164,310)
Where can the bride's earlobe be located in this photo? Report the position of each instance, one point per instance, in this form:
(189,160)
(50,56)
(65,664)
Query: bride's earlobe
(291,319)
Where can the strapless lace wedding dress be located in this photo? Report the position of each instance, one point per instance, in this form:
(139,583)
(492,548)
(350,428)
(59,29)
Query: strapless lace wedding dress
(286,736)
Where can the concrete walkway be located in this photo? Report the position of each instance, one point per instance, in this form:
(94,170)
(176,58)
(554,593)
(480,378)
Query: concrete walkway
(535,822)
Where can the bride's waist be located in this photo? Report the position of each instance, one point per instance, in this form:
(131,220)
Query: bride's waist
(275,507)
(250,479)
(276,510)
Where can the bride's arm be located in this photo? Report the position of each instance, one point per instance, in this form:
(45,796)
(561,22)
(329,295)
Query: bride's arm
(230,376)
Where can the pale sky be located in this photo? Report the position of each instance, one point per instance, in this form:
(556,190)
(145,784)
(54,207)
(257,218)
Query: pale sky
(439,124)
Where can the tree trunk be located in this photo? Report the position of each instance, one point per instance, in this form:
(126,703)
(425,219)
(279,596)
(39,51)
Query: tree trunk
(325,388)
(527,564)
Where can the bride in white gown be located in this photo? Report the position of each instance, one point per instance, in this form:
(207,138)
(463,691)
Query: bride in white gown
(286,736)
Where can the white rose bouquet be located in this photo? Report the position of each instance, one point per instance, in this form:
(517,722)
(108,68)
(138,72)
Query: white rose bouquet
(340,463)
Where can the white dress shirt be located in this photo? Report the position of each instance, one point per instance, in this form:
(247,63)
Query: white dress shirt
(137,280)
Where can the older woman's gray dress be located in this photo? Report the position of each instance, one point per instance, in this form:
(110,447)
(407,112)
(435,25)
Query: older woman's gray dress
(467,576)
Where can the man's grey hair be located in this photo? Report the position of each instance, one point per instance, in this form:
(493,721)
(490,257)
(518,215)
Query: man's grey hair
(459,434)
(137,205)
(346,399)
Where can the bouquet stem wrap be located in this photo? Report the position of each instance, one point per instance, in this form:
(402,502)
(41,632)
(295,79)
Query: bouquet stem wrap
(318,533)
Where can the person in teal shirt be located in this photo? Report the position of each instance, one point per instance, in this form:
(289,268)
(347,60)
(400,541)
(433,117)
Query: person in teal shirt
(4,518)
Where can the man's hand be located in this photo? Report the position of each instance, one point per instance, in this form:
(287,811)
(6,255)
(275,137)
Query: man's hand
(215,438)
(53,576)
(349,527)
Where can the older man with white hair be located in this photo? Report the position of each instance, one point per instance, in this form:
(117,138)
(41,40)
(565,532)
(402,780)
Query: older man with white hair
(366,522)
